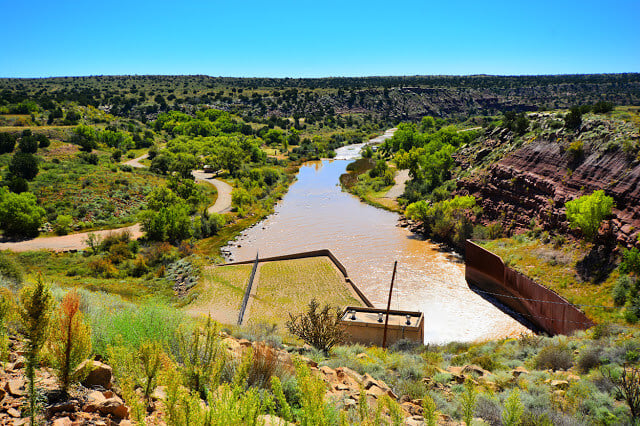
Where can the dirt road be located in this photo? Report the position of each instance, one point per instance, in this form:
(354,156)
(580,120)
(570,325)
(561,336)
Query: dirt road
(66,242)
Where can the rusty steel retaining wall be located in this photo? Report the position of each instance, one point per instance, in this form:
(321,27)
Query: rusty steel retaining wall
(314,253)
(544,308)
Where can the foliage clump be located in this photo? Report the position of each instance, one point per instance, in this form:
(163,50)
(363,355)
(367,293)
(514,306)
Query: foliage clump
(319,328)
(448,220)
(588,211)
(554,357)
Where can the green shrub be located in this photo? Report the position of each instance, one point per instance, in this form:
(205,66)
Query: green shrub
(630,261)
(513,409)
(576,149)
(624,283)
(554,357)
(62,225)
(7,307)
(203,357)
(469,400)
(9,270)
(20,215)
(589,358)
(588,211)
(320,328)
(88,158)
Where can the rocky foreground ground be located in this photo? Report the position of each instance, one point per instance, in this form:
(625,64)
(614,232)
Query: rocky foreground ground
(98,401)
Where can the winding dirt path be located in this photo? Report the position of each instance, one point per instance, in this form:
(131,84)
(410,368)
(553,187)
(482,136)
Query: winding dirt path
(136,162)
(223,202)
(78,241)
(397,189)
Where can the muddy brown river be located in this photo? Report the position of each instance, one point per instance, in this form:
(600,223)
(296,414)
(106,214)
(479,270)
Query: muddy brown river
(317,214)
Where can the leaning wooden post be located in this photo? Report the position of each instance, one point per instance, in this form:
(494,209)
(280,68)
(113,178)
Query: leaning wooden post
(386,321)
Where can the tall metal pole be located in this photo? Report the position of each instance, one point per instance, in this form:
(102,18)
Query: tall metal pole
(386,321)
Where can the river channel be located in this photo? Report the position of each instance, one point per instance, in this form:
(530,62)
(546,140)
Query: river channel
(316,214)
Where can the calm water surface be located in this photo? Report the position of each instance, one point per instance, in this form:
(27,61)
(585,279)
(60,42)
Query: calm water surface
(316,214)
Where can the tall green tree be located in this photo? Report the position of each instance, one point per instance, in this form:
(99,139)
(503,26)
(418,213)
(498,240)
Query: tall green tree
(7,142)
(573,120)
(587,212)
(24,165)
(20,214)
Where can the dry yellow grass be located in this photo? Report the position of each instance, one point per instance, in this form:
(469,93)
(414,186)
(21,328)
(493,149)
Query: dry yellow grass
(220,292)
(287,287)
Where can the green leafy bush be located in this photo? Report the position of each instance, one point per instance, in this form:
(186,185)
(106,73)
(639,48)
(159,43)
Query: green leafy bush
(20,214)
(587,212)
(62,225)
(554,357)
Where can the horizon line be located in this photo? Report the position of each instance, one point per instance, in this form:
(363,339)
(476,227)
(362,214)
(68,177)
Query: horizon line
(324,77)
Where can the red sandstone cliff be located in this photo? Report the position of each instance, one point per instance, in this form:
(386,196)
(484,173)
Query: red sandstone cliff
(536,180)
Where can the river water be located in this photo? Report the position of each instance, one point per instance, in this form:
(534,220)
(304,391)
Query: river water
(316,214)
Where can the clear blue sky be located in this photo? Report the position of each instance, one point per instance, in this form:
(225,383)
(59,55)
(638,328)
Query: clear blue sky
(318,38)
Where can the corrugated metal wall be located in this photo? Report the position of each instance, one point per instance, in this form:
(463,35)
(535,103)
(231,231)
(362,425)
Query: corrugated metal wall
(546,309)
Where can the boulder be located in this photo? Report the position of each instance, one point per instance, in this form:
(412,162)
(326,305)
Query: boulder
(518,371)
(18,364)
(63,421)
(414,421)
(16,387)
(245,343)
(99,374)
(412,409)
(350,373)
(70,406)
(13,412)
(115,407)
(232,344)
(159,393)
(475,369)
(329,374)
(376,391)
(368,381)
(94,400)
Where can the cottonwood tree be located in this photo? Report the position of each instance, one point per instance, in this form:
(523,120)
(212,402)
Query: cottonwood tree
(587,212)
(20,214)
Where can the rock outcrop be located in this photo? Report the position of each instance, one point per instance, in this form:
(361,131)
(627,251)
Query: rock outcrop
(535,181)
